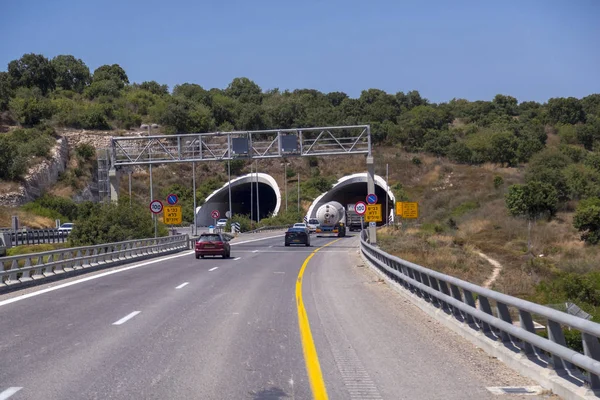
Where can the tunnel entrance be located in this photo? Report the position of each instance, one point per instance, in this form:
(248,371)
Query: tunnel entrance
(243,196)
(353,188)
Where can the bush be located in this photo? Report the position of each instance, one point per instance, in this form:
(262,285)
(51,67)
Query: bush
(587,220)
(107,223)
(416,160)
(283,218)
(243,220)
(498,181)
(85,151)
(53,207)
(237,166)
(29,107)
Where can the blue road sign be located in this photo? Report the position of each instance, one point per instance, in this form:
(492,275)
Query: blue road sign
(371,198)
(172,199)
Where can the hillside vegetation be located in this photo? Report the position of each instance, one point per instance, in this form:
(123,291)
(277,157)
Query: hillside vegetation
(518,181)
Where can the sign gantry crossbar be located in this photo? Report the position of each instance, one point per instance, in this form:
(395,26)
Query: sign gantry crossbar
(217,146)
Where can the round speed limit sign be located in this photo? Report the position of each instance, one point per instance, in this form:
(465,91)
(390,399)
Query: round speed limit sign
(360,208)
(156,206)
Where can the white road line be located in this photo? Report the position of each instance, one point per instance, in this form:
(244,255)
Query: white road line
(182,285)
(126,318)
(237,258)
(255,251)
(89,278)
(9,392)
(212,269)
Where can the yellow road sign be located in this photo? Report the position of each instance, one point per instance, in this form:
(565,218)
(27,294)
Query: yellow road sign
(172,215)
(410,210)
(399,205)
(373,213)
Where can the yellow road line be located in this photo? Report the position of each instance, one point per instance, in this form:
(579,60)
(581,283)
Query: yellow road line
(313,368)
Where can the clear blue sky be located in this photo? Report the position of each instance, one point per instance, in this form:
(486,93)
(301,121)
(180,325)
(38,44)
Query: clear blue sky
(530,49)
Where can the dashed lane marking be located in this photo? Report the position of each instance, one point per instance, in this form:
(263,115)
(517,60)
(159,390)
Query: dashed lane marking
(517,390)
(182,285)
(89,278)
(9,392)
(237,258)
(126,318)
(212,269)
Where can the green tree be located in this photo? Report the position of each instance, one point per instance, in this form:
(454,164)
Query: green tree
(99,88)
(531,201)
(111,73)
(587,220)
(336,98)
(244,90)
(108,223)
(193,92)
(588,134)
(546,166)
(32,70)
(503,148)
(71,73)
(183,116)
(12,165)
(29,107)
(460,153)
(6,91)
(582,181)
(565,110)
(505,104)
(154,88)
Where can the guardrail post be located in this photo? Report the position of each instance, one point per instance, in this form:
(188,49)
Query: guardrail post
(556,335)
(436,285)
(527,324)
(484,305)
(504,314)
(444,289)
(591,348)
(456,294)
(470,300)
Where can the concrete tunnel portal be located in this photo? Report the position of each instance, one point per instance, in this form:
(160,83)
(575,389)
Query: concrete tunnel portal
(353,188)
(243,196)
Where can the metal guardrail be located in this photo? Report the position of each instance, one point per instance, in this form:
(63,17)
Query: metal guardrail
(37,236)
(15,270)
(472,305)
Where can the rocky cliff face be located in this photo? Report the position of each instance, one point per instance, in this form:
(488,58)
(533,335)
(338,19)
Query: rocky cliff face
(40,176)
(45,174)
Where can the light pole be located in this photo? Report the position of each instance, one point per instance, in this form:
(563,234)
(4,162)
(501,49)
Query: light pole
(195,227)
(229,176)
(149,127)
(251,197)
(257,196)
(298,192)
(387,189)
(285,184)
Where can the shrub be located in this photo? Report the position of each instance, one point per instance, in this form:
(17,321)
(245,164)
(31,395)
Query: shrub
(107,223)
(85,151)
(498,181)
(416,160)
(587,220)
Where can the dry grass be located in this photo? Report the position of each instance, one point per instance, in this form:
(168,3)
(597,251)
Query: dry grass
(26,219)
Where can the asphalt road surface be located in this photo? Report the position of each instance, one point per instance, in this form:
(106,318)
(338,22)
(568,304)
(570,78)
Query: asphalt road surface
(181,328)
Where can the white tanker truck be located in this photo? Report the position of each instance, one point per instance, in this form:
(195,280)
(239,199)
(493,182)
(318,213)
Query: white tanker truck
(332,219)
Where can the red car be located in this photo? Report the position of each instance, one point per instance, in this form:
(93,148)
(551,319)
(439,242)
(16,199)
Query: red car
(212,244)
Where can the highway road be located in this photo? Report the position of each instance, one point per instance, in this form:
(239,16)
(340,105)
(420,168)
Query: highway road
(181,328)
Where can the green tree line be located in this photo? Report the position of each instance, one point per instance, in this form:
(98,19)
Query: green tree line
(64,92)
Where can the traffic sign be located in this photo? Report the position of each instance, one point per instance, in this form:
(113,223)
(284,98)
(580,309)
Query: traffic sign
(410,210)
(215,214)
(156,206)
(399,208)
(360,208)
(373,213)
(371,198)
(172,199)
(172,215)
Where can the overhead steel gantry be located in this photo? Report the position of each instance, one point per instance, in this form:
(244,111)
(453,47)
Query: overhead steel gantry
(219,146)
(222,146)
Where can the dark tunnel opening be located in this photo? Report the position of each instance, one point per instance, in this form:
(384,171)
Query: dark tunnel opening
(243,197)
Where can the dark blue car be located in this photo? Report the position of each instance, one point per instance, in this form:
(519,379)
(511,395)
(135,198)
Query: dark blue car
(297,236)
